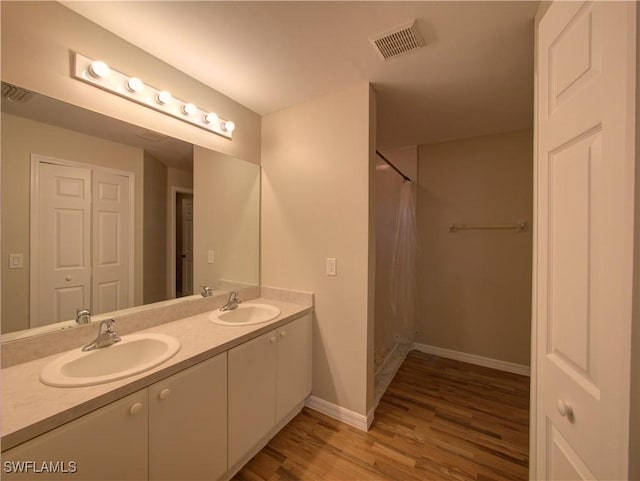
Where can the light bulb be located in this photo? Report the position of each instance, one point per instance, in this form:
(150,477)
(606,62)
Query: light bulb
(228,126)
(163,97)
(189,109)
(210,118)
(99,69)
(134,84)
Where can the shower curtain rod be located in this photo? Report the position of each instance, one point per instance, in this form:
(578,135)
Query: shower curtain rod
(407,179)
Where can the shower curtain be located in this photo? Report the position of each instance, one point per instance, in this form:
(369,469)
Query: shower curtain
(403,283)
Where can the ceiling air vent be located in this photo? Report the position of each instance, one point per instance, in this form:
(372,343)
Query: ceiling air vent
(401,40)
(15,94)
(150,135)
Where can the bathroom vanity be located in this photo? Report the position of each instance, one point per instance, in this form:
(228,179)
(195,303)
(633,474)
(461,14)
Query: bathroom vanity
(200,415)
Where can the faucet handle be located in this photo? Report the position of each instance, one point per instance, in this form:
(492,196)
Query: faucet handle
(107,325)
(83,316)
(206,291)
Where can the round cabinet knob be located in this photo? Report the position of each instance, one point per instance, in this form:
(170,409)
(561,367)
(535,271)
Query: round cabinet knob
(68,278)
(283,334)
(272,339)
(135,409)
(564,409)
(164,394)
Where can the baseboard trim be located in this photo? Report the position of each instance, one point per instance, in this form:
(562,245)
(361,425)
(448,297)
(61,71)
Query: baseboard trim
(474,359)
(341,414)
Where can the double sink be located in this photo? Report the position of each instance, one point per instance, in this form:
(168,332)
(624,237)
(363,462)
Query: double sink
(136,353)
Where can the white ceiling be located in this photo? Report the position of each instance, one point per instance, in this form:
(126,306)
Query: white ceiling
(473,77)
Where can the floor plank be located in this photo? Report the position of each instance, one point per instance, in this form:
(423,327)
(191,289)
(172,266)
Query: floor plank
(439,420)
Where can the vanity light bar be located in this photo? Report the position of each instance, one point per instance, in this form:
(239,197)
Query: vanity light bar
(99,74)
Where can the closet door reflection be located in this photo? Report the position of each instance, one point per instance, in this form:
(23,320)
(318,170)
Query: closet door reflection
(81,259)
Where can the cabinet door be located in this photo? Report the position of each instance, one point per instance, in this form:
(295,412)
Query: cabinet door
(107,444)
(294,365)
(252,394)
(188,423)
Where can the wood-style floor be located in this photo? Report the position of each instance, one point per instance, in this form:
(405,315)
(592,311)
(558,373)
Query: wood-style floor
(439,420)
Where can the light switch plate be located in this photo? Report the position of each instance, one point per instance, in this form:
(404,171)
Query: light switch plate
(210,257)
(332,266)
(15,261)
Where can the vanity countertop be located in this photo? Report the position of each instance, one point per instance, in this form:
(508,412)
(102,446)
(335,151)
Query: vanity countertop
(30,408)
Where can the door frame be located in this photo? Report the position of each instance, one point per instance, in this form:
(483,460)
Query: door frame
(171,255)
(533,376)
(34,237)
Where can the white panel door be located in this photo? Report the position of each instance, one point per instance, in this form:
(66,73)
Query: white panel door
(64,243)
(187,246)
(585,202)
(110,239)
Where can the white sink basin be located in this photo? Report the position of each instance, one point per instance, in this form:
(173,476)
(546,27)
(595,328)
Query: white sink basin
(135,353)
(245,314)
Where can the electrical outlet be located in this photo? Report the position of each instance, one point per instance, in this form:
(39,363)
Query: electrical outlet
(210,257)
(332,266)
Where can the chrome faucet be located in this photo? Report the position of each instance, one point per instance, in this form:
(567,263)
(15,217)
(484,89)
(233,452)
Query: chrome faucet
(83,316)
(106,336)
(232,302)
(206,291)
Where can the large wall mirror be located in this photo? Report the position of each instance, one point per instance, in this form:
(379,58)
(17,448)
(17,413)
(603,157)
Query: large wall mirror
(104,215)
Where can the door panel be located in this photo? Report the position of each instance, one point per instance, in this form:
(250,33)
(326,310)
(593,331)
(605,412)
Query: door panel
(564,463)
(82,249)
(108,296)
(584,200)
(67,300)
(63,248)
(110,243)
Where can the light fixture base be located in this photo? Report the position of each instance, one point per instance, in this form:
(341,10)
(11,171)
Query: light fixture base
(116,82)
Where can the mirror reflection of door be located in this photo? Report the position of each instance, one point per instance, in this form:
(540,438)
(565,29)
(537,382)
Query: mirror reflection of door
(80,254)
(184,244)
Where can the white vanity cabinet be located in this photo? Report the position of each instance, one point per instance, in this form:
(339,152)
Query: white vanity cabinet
(107,444)
(268,377)
(198,424)
(252,393)
(176,429)
(293,381)
(188,423)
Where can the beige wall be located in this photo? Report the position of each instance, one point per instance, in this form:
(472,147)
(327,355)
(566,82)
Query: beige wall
(37,38)
(155,230)
(179,178)
(226,203)
(21,138)
(387,188)
(475,286)
(316,167)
